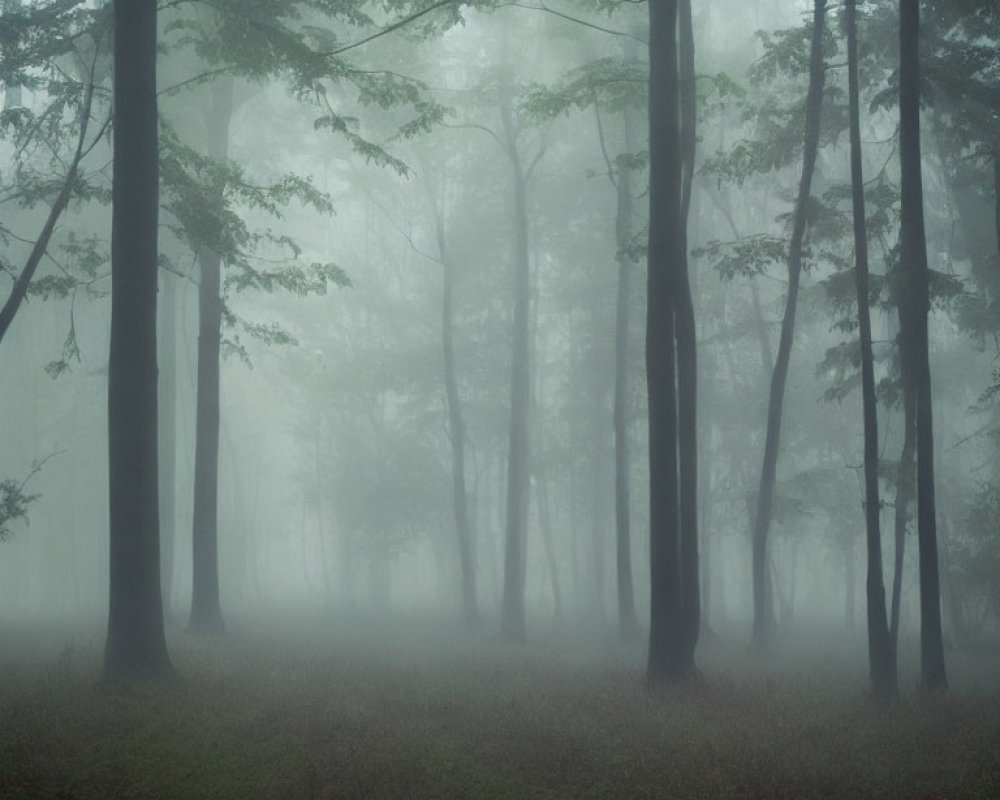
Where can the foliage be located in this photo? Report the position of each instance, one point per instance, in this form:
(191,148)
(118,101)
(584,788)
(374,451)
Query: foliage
(974,554)
(14,501)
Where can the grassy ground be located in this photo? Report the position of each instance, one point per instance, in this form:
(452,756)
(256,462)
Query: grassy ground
(263,714)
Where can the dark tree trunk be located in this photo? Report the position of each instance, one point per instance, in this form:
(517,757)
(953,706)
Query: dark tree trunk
(518,459)
(914,309)
(456,430)
(881,652)
(136,646)
(904,496)
(687,363)
(669,366)
(206,611)
(762,614)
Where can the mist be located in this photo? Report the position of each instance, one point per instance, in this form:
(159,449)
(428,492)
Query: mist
(472,399)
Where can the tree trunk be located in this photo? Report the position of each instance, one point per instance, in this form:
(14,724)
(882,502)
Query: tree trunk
(765,496)
(673,553)
(914,308)
(544,508)
(628,622)
(518,459)
(881,652)
(136,646)
(168,435)
(599,477)
(206,611)
(456,430)
(904,495)
(686,337)
(850,583)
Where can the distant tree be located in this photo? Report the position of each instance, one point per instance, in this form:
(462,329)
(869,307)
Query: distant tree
(615,88)
(519,458)
(881,648)
(913,310)
(762,611)
(136,646)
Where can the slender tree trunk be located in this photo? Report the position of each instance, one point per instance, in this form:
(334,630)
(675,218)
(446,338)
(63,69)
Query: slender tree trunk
(914,309)
(544,508)
(881,652)
(456,430)
(850,583)
(136,646)
(206,611)
(628,622)
(686,337)
(168,434)
(599,478)
(518,458)
(765,496)
(904,495)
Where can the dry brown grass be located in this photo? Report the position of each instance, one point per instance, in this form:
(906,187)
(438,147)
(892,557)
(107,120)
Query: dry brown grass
(327,714)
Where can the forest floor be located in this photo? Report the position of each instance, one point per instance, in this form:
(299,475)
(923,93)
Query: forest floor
(291,711)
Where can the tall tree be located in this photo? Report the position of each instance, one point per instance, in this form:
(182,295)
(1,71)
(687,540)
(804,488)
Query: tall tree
(628,623)
(456,422)
(670,368)
(684,331)
(206,610)
(913,313)
(136,646)
(762,612)
(518,458)
(881,649)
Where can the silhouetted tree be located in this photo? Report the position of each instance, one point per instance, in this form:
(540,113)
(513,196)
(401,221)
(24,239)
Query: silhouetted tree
(913,310)
(518,457)
(881,649)
(206,611)
(670,366)
(136,646)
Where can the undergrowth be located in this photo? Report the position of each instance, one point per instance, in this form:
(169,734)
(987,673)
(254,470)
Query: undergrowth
(272,716)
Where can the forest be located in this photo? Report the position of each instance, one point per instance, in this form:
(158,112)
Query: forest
(499,399)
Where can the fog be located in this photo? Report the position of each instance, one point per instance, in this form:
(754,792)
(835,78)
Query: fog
(368,209)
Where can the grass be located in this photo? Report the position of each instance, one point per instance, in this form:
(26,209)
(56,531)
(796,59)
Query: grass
(323,713)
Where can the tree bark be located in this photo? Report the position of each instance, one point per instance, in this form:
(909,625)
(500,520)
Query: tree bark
(669,367)
(136,646)
(914,309)
(765,496)
(456,430)
(168,434)
(628,622)
(904,496)
(881,652)
(518,458)
(206,610)
(543,506)
(687,363)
